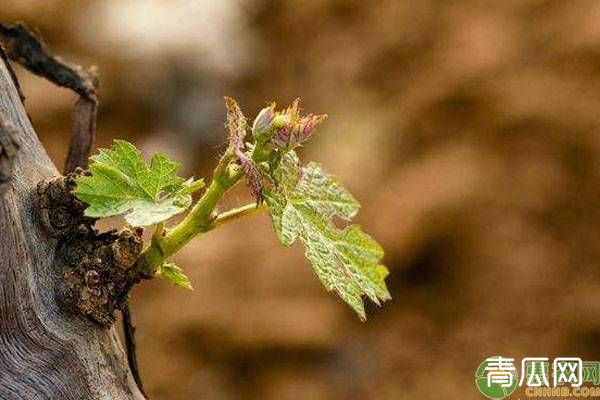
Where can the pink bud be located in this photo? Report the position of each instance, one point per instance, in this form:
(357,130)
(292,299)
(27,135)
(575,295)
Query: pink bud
(263,122)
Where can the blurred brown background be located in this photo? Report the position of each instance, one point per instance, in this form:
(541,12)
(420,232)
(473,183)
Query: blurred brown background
(468,130)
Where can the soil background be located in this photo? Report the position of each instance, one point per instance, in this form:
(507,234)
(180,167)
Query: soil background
(469,131)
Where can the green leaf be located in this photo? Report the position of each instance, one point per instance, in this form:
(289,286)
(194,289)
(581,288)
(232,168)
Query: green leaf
(302,205)
(122,183)
(173,273)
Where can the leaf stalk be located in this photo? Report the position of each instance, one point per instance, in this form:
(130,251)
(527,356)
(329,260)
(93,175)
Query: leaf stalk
(237,213)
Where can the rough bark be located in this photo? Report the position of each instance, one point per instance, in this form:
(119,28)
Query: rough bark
(45,351)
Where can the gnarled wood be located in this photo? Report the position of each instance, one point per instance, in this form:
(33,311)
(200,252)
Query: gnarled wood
(45,352)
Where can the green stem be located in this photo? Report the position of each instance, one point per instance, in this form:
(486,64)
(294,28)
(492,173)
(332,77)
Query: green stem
(198,220)
(201,218)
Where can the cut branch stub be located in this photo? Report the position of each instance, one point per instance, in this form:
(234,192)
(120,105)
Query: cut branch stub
(83,133)
(24,47)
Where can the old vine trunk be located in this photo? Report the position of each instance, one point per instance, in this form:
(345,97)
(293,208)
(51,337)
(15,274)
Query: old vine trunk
(45,352)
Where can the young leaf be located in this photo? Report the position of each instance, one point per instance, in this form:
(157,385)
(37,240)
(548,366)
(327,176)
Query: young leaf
(173,273)
(121,182)
(302,206)
(294,129)
(237,126)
